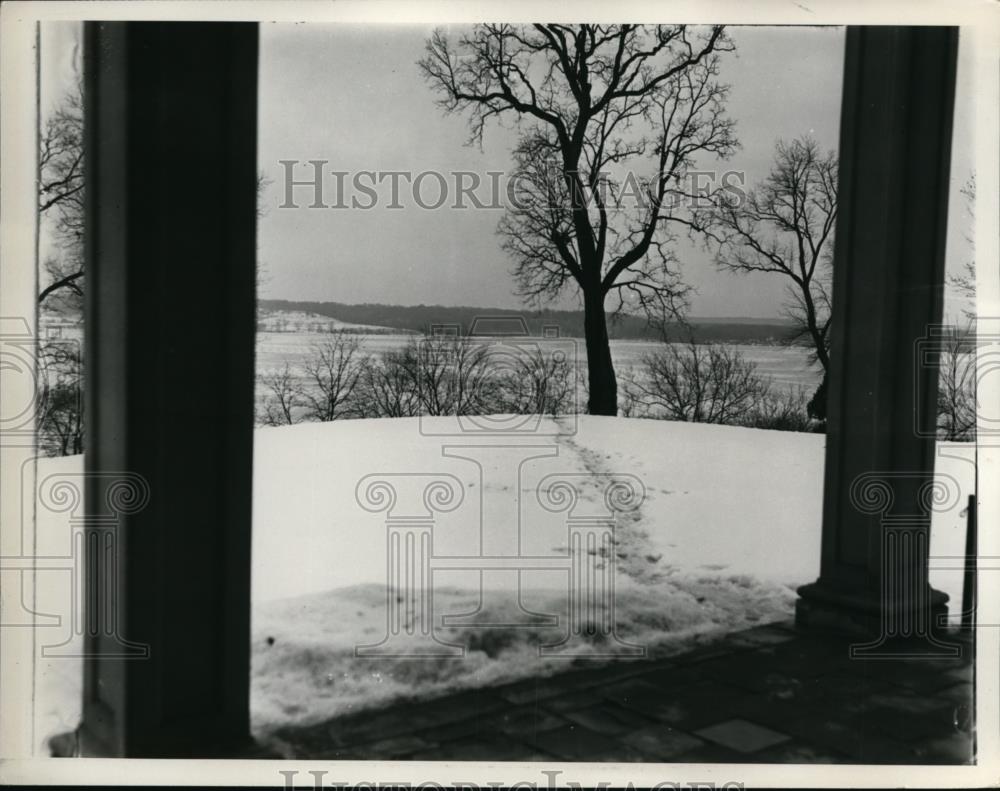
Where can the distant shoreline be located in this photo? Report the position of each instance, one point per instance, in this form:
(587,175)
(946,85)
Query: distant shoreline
(535,323)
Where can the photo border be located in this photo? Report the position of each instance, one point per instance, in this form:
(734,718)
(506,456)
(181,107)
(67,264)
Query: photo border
(18,51)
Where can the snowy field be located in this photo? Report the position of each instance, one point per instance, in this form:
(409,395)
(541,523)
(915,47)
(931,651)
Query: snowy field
(729,526)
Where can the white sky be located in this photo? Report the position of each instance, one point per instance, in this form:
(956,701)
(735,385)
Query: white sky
(352,95)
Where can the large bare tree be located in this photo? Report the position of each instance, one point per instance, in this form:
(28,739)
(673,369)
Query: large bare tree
(605,113)
(785,226)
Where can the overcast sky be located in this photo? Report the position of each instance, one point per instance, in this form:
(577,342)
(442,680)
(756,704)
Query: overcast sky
(352,95)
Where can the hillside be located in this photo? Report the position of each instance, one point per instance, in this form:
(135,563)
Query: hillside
(419,318)
(270,320)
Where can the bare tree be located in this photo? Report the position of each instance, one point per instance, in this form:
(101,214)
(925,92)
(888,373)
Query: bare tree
(60,198)
(538,382)
(782,409)
(698,383)
(594,103)
(283,398)
(449,373)
(60,398)
(964,282)
(332,376)
(388,388)
(957,386)
(785,226)
(435,375)
(956,401)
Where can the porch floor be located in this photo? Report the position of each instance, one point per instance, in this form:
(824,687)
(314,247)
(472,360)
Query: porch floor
(765,695)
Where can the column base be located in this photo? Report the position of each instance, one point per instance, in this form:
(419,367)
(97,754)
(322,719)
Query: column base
(81,743)
(881,632)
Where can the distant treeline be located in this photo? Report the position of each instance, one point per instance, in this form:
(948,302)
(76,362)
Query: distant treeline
(421,318)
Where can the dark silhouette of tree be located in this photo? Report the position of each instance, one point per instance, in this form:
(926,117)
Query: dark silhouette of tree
(785,226)
(595,105)
(816,408)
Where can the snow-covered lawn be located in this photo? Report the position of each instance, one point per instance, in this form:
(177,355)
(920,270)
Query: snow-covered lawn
(718,498)
(729,526)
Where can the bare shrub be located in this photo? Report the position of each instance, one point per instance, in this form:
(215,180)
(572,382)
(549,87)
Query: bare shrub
(956,398)
(699,383)
(283,401)
(630,399)
(782,410)
(60,400)
(451,374)
(332,378)
(454,375)
(387,387)
(536,383)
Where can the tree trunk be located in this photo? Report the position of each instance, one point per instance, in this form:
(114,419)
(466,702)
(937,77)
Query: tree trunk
(603,387)
(812,325)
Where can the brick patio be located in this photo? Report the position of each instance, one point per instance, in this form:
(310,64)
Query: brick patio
(766,695)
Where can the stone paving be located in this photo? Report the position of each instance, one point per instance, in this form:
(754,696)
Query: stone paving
(766,695)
